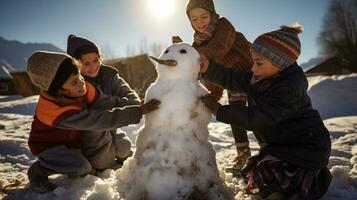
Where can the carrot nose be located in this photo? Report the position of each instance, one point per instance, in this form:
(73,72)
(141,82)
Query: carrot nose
(170,63)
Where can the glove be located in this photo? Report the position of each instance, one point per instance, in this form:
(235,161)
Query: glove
(211,103)
(199,38)
(150,106)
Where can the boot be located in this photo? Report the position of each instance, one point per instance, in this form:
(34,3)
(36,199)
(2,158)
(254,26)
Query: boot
(38,178)
(243,153)
(120,161)
(249,165)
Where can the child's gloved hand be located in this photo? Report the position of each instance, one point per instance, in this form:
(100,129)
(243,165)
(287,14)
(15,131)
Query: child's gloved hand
(176,39)
(211,103)
(198,38)
(150,106)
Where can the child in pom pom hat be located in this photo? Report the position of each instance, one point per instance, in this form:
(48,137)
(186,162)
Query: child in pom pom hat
(293,164)
(217,39)
(106,148)
(67,105)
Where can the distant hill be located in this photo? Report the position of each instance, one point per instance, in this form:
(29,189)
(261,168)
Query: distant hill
(312,62)
(13,54)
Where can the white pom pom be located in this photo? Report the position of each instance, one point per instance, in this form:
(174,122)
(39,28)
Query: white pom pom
(296,27)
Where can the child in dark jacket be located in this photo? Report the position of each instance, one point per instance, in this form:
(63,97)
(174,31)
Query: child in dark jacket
(293,164)
(217,39)
(68,104)
(104,149)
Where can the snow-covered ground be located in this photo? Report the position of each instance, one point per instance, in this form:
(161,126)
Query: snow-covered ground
(335,97)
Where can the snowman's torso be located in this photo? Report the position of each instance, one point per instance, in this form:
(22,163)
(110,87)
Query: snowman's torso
(180,104)
(173,156)
(172,146)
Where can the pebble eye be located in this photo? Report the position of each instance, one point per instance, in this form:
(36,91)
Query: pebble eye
(183,51)
(167,51)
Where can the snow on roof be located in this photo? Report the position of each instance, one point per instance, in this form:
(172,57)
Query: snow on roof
(4,73)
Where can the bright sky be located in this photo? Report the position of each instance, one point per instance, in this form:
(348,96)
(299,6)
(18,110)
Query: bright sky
(116,24)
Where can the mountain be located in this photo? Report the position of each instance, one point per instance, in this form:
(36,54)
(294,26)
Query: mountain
(15,53)
(312,62)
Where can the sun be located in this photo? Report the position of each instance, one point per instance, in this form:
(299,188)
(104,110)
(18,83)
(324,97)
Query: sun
(161,8)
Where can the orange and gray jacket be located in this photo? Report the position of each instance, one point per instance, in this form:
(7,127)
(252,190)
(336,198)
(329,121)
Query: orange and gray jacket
(58,121)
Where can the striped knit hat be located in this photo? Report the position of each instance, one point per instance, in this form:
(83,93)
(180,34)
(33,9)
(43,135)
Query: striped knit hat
(281,47)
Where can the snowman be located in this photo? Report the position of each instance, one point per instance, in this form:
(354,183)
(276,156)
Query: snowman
(174,158)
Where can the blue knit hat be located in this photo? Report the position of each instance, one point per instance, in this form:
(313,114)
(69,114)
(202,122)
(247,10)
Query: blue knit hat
(281,47)
(77,46)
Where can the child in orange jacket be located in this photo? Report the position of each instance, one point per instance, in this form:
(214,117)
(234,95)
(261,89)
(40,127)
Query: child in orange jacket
(67,105)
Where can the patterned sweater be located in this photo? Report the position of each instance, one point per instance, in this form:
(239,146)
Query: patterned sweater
(227,47)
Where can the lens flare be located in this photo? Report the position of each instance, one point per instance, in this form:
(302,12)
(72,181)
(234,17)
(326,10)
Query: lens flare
(161,8)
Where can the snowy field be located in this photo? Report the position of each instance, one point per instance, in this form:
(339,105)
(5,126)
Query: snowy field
(335,97)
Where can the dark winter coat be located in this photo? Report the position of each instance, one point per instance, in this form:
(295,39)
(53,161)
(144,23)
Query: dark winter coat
(279,111)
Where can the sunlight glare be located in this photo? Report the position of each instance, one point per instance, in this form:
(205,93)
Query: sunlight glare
(161,8)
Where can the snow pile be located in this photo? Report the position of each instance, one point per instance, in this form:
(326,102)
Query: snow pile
(334,96)
(15,156)
(18,104)
(343,160)
(173,157)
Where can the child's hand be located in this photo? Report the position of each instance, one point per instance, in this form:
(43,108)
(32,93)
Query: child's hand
(204,63)
(198,38)
(176,39)
(150,106)
(211,103)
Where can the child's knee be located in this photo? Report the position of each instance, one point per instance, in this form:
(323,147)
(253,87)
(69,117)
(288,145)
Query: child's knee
(122,146)
(84,168)
(64,160)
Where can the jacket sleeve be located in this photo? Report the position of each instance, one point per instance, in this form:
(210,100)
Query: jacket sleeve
(221,42)
(106,102)
(228,78)
(122,89)
(275,107)
(121,96)
(100,120)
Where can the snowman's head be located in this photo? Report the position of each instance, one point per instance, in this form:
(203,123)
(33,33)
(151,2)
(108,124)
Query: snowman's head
(178,61)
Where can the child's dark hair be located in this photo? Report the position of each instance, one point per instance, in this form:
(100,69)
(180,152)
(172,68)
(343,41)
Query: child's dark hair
(67,68)
(85,49)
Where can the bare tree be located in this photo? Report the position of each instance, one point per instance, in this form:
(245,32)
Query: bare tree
(156,49)
(339,32)
(153,48)
(143,46)
(130,51)
(108,52)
